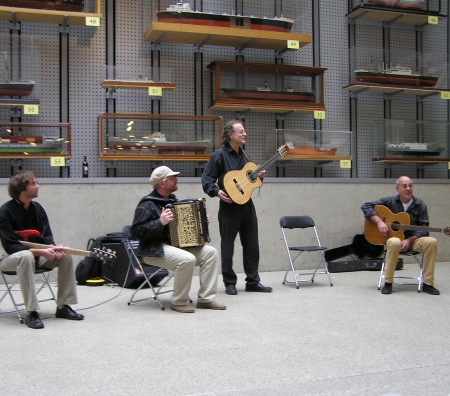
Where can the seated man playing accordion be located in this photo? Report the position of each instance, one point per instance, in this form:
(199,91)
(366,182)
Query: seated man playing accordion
(151,228)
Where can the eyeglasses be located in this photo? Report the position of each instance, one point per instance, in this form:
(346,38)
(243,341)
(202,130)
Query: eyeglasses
(171,178)
(405,186)
(241,132)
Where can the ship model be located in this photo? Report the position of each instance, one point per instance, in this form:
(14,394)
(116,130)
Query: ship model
(268,94)
(304,149)
(432,149)
(157,141)
(55,5)
(13,88)
(182,13)
(419,5)
(401,76)
(30,145)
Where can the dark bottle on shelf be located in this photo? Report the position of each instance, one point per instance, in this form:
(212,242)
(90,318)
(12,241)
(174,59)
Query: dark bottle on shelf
(85,168)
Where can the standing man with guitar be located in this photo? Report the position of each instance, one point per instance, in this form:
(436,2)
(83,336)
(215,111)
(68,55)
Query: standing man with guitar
(416,239)
(234,218)
(22,213)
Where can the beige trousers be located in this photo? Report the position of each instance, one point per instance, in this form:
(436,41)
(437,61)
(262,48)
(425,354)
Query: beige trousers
(426,245)
(182,262)
(23,263)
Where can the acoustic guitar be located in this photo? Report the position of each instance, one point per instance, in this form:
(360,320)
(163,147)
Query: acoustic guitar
(239,184)
(98,254)
(397,224)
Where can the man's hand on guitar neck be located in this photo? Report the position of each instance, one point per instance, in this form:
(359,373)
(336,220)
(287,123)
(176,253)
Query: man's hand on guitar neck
(224,197)
(51,253)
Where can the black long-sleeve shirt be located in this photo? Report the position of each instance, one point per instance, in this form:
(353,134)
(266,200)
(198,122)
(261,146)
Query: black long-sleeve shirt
(14,217)
(417,212)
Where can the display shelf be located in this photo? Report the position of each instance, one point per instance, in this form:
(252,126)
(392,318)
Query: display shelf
(316,158)
(394,90)
(171,137)
(135,84)
(413,160)
(35,140)
(48,16)
(263,87)
(11,103)
(160,32)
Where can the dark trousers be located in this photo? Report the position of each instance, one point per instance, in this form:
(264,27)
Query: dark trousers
(234,219)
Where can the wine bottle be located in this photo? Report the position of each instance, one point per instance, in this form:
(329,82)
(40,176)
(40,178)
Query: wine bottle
(85,168)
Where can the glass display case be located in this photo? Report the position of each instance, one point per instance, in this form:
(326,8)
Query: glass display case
(317,145)
(124,76)
(35,139)
(158,136)
(428,6)
(238,86)
(374,67)
(411,141)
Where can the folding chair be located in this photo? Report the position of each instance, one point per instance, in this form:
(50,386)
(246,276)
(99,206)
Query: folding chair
(131,246)
(418,279)
(18,307)
(302,222)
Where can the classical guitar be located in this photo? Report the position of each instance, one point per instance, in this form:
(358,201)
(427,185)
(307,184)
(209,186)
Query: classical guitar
(98,254)
(397,223)
(239,184)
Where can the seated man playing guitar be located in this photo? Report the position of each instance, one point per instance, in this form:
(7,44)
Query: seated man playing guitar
(415,238)
(22,213)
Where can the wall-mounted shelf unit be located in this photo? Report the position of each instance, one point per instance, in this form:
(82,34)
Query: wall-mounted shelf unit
(158,137)
(264,87)
(160,32)
(13,103)
(135,84)
(17,14)
(393,90)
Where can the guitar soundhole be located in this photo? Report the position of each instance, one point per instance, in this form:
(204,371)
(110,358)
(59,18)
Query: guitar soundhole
(249,177)
(395,226)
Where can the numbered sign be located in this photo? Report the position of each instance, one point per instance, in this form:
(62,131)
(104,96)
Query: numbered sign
(346,164)
(293,44)
(57,161)
(92,21)
(31,109)
(433,20)
(445,95)
(318,114)
(155,91)
(448,165)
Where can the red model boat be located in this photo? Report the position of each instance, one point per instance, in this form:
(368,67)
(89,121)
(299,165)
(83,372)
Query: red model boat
(306,150)
(17,88)
(237,93)
(405,4)
(57,5)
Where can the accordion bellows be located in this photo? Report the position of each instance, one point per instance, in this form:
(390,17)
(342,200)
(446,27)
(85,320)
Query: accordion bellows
(189,226)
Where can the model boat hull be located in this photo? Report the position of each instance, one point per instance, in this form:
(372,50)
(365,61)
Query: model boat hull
(235,93)
(223,20)
(308,151)
(406,80)
(56,5)
(404,4)
(30,145)
(18,88)
(407,150)
(141,145)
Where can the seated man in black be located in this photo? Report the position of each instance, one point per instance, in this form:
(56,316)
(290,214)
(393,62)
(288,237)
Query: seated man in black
(417,240)
(22,213)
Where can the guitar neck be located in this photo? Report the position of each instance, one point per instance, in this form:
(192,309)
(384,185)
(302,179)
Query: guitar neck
(266,164)
(66,250)
(418,228)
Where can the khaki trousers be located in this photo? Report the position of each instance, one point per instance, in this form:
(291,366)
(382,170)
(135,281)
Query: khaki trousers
(182,262)
(426,245)
(23,263)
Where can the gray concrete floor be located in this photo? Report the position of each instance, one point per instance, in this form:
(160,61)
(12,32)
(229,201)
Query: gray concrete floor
(319,340)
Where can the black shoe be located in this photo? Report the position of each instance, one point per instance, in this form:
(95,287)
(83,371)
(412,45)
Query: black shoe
(231,290)
(430,289)
(257,287)
(67,312)
(387,288)
(33,321)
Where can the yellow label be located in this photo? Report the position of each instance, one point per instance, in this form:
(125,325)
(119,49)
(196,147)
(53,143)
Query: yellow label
(347,164)
(31,109)
(293,44)
(92,21)
(448,165)
(433,20)
(319,114)
(57,161)
(445,95)
(155,91)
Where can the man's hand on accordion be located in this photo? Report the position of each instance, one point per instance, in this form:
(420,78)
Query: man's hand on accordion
(166,216)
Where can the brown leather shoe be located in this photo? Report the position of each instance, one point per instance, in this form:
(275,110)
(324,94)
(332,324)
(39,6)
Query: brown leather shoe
(211,305)
(182,308)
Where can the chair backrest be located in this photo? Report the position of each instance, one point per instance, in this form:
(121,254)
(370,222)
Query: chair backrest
(296,222)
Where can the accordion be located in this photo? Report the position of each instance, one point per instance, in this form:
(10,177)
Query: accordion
(189,226)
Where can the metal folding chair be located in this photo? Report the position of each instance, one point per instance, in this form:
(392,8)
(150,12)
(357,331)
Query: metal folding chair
(131,246)
(302,222)
(418,279)
(18,307)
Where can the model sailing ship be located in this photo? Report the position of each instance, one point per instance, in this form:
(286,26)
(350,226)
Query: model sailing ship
(267,94)
(12,88)
(30,145)
(419,5)
(432,149)
(182,13)
(304,149)
(402,76)
(157,141)
(55,5)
